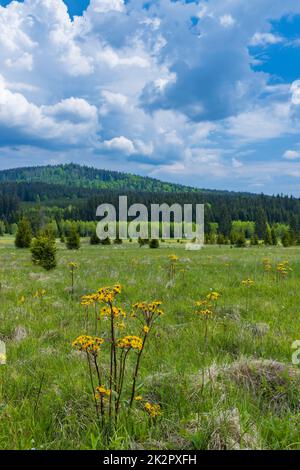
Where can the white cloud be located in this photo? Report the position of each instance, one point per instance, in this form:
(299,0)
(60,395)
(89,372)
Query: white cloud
(113,59)
(291,154)
(227,21)
(264,39)
(71,121)
(295,90)
(105,6)
(121,144)
(236,163)
(262,123)
(114,99)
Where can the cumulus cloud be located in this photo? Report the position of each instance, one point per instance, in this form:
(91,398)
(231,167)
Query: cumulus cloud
(291,154)
(121,144)
(71,121)
(227,21)
(295,91)
(265,39)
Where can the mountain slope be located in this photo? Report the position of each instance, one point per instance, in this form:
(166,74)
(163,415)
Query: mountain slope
(87,177)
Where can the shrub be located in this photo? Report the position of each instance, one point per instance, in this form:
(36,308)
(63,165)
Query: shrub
(94,240)
(118,241)
(105,241)
(154,244)
(240,241)
(143,241)
(73,238)
(24,234)
(254,240)
(286,240)
(43,252)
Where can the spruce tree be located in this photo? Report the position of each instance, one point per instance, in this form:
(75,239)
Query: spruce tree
(225,222)
(274,237)
(240,240)
(286,239)
(73,238)
(24,234)
(221,239)
(254,240)
(268,235)
(43,251)
(260,224)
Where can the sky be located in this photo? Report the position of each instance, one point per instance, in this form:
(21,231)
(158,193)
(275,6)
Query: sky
(204,93)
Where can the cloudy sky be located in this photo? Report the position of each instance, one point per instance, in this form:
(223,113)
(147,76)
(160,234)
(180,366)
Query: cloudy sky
(205,93)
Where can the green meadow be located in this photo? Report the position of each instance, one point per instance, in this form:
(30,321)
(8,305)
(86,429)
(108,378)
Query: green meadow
(236,389)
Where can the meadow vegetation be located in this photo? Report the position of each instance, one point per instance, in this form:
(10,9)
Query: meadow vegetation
(217,370)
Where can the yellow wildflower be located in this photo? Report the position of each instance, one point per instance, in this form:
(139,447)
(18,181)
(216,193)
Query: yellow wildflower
(248,282)
(102,392)
(213,296)
(121,325)
(116,311)
(205,312)
(107,294)
(89,344)
(130,342)
(73,265)
(39,293)
(152,410)
(22,300)
(150,311)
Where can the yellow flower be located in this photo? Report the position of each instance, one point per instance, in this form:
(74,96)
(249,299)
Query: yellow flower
(130,342)
(102,392)
(139,398)
(22,300)
(146,329)
(150,311)
(107,294)
(213,296)
(89,344)
(173,258)
(205,313)
(116,311)
(267,265)
(152,410)
(283,268)
(87,300)
(39,293)
(73,265)
(201,303)
(121,325)
(2,359)
(248,282)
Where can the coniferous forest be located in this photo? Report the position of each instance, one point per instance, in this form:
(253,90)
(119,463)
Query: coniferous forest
(58,195)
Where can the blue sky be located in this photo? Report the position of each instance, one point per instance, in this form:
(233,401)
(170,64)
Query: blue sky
(200,92)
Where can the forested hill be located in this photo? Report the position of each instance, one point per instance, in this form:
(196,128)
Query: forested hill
(77,176)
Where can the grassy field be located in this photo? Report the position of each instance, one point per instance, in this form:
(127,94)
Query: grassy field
(250,394)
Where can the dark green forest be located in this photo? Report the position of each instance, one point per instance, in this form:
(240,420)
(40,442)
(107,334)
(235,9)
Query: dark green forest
(73,192)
